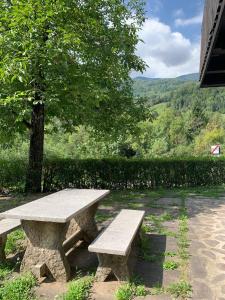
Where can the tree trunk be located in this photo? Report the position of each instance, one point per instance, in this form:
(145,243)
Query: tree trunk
(34,173)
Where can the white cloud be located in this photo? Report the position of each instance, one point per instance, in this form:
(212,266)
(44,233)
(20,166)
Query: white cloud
(157,5)
(191,21)
(167,53)
(178,13)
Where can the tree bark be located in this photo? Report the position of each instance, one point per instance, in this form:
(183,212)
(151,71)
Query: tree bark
(34,173)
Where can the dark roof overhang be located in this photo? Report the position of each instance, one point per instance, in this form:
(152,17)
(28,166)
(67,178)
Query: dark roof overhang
(212,66)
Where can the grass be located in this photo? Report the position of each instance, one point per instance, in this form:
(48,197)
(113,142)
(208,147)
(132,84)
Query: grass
(171,254)
(135,205)
(170,265)
(155,224)
(183,242)
(157,289)
(20,288)
(101,217)
(159,219)
(210,191)
(181,289)
(155,257)
(152,257)
(79,289)
(15,241)
(123,197)
(130,290)
(5,270)
(144,244)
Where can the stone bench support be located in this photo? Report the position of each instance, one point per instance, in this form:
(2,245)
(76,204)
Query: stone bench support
(117,246)
(113,264)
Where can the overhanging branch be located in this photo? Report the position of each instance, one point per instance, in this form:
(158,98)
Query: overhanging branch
(24,121)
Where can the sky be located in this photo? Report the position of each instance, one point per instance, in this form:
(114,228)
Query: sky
(171,36)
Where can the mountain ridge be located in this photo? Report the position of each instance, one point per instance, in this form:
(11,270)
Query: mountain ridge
(185,77)
(181,93)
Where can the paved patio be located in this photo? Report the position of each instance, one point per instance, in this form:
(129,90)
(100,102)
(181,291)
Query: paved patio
(207,248)
(205,268)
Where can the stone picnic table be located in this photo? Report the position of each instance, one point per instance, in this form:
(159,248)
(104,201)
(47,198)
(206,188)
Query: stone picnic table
(49,224)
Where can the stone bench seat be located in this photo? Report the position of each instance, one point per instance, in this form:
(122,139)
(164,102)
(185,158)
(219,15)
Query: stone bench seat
(116,244)
(6,226)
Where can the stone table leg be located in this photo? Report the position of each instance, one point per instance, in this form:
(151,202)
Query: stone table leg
(3,239)
(44,254)
(85,222)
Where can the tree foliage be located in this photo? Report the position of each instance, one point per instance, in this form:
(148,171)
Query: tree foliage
(74,55)
(67,60)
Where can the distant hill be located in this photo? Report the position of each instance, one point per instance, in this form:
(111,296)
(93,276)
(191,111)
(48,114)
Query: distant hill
(146,78)
(180,93)
(151,87)
(187,77)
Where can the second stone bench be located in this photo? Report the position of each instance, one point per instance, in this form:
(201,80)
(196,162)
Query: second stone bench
(117,244)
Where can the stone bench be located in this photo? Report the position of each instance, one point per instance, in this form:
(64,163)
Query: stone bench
(6,226)
(116,246)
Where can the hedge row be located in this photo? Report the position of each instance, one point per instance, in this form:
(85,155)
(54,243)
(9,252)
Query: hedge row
(12,174)
(132,174)
(118,173)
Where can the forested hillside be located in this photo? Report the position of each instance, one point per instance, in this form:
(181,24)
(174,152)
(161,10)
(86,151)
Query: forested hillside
(181,92)
(185,121)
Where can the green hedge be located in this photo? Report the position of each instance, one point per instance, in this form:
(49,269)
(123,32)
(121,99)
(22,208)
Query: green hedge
(117,173)
(132,174)
(12,174)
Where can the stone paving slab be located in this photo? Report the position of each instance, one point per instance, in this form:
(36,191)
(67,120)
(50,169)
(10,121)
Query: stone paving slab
(158,297)
(207,248)
(104,290)
(162,243)
(169,201)
(50,291)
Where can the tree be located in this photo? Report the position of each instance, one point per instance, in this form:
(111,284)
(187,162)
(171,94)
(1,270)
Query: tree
(68,60)
(198,120)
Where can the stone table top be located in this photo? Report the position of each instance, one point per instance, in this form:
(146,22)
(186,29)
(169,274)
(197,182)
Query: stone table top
(58,207)
(117,238)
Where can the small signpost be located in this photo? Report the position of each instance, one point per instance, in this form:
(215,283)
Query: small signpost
(215,150)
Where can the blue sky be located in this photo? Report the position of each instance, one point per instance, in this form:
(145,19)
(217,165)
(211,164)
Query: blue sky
(171,37)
